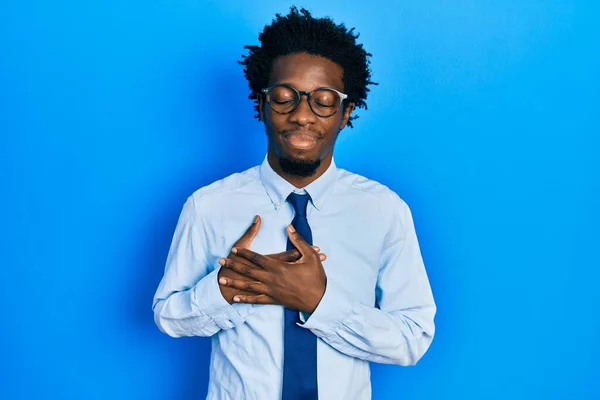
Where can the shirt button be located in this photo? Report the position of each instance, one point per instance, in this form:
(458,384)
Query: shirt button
(277,204)
(318,204)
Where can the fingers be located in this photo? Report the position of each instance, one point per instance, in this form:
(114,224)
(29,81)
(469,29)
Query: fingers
(255,287)
(240,260)
(298,242)
(286,256)
(290,255)
(231,274)
(250,233)
(255,258)
(258,299)
(244,269)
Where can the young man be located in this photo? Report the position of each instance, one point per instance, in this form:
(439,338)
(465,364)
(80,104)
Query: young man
(329,275)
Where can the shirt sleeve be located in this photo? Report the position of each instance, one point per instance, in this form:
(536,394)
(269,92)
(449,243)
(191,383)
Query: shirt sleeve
(188,301)
(400,327)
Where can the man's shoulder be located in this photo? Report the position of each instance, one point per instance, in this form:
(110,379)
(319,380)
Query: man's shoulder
(234,182)
(394,211)
(369,188)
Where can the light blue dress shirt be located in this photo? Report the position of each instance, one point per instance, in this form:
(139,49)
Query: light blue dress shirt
(377,305)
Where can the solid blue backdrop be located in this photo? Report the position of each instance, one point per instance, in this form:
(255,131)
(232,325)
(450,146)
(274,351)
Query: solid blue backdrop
(485,121)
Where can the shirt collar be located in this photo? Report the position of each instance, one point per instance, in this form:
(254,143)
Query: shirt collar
(279,189)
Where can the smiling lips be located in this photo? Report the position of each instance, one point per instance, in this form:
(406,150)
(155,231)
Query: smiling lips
(301,140)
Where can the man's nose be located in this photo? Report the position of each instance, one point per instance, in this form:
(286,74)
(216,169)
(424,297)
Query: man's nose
(303,114)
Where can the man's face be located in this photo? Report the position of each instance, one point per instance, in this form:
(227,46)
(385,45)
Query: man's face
(301,140)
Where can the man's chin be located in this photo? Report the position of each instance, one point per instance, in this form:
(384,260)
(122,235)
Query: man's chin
(299,167)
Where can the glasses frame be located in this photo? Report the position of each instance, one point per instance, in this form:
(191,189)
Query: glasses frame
(267,92)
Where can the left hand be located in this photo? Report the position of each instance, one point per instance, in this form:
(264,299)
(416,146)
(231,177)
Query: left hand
(298,285)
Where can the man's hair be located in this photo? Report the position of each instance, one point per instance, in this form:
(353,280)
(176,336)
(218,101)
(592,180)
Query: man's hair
(300,32)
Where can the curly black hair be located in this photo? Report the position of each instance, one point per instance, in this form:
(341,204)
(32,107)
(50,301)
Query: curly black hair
(300,32)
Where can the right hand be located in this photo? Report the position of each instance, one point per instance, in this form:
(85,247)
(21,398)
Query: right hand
(244,242)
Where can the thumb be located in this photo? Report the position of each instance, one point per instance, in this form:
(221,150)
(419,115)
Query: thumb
(299,242)
(250,234)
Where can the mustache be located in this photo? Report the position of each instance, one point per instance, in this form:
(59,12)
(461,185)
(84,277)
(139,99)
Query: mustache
(302,132)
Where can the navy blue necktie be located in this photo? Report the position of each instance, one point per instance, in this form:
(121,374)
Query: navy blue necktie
(300,345)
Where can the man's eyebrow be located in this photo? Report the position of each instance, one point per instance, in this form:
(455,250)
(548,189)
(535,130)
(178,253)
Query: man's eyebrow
(332,86)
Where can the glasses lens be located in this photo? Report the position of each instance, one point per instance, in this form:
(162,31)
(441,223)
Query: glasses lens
(325,102)
(283,99)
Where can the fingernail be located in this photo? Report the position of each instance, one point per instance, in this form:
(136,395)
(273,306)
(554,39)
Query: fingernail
(317,248)
(234,250)
(256,219)
(236,298)
(222,261)
(222,281)
(291,228)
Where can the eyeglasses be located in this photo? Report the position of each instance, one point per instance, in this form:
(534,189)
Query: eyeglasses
(284,99)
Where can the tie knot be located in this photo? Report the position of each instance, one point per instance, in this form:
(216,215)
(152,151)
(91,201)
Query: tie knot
(299,202)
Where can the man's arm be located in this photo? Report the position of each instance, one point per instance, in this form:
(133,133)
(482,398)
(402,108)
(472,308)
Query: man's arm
(399,330)
(188,301)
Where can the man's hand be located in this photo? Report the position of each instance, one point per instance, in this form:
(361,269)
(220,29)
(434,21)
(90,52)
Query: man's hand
(244,242)
(298,284)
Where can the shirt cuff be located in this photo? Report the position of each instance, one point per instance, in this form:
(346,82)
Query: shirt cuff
(209,301)
(334,307)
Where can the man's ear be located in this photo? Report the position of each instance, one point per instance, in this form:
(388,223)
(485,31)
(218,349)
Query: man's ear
(346,116)
(261,112)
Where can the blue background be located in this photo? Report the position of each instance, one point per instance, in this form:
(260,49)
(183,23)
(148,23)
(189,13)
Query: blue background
(485,121)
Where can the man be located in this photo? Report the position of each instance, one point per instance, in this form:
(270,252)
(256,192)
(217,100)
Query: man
(329,275)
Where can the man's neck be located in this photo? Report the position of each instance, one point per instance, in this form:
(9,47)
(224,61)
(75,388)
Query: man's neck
(299,181)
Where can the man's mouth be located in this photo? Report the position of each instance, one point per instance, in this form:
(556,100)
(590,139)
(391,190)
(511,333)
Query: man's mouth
(301,140)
